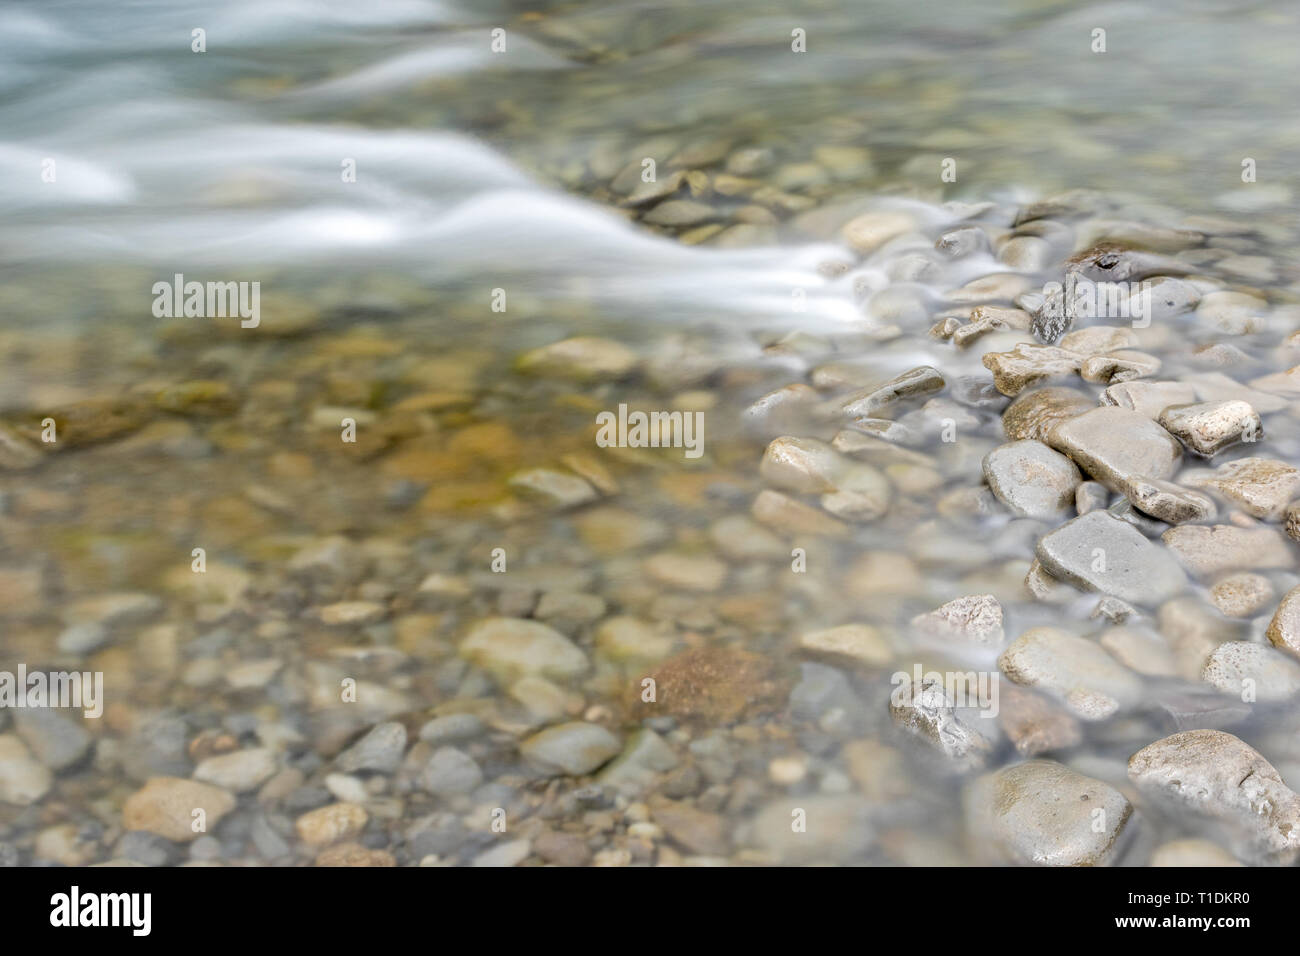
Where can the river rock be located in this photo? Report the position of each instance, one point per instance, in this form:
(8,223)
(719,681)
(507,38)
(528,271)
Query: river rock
(23,778)
(871,230)
(976,619)
(1207,428)
(1244,594)
(450,772)
(1209,550)
(1031,479)
(330,824)
(1272,675)
(554,489)
(165,806)
(1167,501)
(582,358)
(1217,777)
(1263,487)
(1113,444)
(55,739)
(240,770)
(380,750)
(853,643)
(1099,552)
(512,647)
(1123,365)
(1091,683)
(1034,414)
(575,748)
(922,380)
(1026,365)
(928,711)
(1148,399)
(1284,629)
(1192,853)
(1044,814)
(1099,339)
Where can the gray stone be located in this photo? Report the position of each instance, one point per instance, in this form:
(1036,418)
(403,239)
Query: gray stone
(1207,428)
(575,748)
(1044,814)
(1099,552)
(1215,776)
(450,772)
(1090,496)
(1148,399)
(922,380)
(1167,501)
(1031,479)
(929,712)
(56,739)
(1092,684)
(1262,487)
(1209,550)
(380,750)
(1115,444)
(1036,413)
(1026,365)
(1252,672)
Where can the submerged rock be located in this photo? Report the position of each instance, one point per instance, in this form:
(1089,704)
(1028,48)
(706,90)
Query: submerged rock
(1033,415)
(1208,550)
(1263,487)
(1217,777)
(1114,444)
(928,711)
(1284,629)
(1208,428)
(1099,552)
(1026,365)
(1031,479)
(976,619)
(1091,683)
(1044,814)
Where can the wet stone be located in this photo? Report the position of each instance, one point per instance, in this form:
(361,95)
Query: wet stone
(1034,414)
(928,711)
(380,750)
(1252,672)
(1244,594)
(1167,501)
(1284,628)
(1114,444)
(1218,778)
(1262,487)
(1099,552)
(574,748)
(1031,479)
(975,619)
(1209,550)
(165,806)
(922,380)
(1026,365)
(1092,684)
(1208,428)
(1041,813)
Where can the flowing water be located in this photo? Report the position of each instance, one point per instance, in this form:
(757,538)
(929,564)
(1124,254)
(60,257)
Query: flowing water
(420,202)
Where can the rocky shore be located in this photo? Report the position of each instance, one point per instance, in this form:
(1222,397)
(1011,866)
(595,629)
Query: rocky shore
(433,645)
